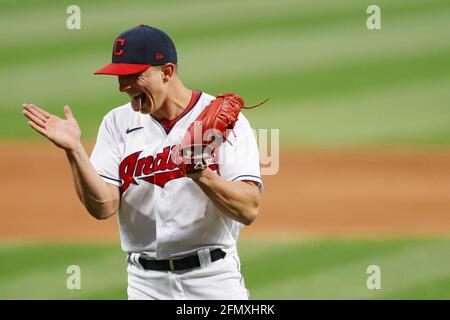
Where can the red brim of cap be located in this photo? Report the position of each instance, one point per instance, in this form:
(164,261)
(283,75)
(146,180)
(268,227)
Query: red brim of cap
(123,69)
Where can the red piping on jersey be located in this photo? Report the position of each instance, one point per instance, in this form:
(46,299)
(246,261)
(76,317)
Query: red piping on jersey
(168,124)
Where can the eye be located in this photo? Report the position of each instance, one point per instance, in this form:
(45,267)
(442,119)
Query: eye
(130,77)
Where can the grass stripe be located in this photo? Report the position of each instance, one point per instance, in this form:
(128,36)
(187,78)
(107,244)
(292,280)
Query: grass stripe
(308,56)
(325,269)
(382,70)
(412,264)
(24,259)
(308,258)
(40,271)
(308,52)
(386,116)
(437,288)
(344,39)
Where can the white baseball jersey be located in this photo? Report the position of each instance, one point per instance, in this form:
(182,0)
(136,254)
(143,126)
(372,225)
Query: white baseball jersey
(163,214)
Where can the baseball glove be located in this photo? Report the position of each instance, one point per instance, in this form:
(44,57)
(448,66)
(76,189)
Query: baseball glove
(208,132)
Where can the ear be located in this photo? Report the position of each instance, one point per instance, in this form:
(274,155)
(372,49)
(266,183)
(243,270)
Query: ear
(168,71)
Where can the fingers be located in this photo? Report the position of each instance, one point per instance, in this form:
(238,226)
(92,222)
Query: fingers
(35,119)
(45,113)
(37,112)
(37,128)
(68,113)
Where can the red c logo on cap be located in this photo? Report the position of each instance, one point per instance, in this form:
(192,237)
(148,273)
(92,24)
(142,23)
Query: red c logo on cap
(120,52)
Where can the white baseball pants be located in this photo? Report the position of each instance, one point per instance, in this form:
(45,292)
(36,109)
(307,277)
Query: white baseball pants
(218,280)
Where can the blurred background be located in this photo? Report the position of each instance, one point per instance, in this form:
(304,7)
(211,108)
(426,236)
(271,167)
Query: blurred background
(364,120)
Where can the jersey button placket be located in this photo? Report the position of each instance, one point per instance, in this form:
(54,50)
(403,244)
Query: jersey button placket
(163,209)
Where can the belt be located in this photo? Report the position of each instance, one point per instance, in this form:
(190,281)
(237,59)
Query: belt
(179,264)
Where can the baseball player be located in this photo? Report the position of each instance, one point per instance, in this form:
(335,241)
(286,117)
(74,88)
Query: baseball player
(179,211)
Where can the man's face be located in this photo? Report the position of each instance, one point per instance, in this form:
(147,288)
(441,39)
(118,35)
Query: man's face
(146,89)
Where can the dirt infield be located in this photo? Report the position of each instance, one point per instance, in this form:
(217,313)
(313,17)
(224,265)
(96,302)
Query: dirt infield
(317,192)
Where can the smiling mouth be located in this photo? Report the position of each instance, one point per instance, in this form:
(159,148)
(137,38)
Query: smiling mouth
(138,101)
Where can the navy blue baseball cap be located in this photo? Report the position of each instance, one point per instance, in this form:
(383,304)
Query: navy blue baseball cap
(139,48)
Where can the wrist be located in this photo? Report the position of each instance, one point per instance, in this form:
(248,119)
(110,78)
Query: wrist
(74,149)
(202,176)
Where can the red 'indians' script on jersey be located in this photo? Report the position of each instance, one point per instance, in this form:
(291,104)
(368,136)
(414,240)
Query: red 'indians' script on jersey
(158,169)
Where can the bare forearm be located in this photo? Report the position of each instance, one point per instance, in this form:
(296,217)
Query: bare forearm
(94,193)
(99,198)
(238,200)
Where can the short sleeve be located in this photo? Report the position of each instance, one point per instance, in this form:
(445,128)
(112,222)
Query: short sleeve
(105,156)
(239,158)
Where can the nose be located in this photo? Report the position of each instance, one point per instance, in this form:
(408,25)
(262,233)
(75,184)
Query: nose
(124,84)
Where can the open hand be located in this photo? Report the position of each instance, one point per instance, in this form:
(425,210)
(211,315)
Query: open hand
(65,133)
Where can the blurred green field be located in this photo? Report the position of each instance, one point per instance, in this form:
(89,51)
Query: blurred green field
(331,81)
(296,269)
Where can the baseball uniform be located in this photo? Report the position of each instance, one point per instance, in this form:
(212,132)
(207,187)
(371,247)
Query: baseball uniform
(165,215)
